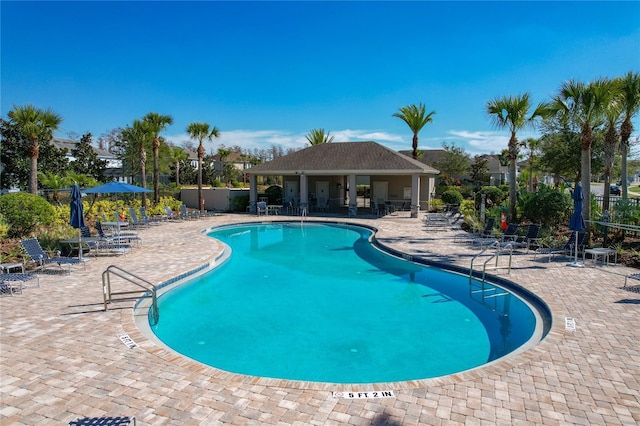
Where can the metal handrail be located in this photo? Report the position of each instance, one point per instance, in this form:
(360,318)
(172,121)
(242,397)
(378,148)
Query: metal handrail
(147,286)
(496,255)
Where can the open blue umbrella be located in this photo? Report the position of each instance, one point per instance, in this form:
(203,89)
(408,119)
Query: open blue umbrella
(116,187)
(77,214)
(577,221)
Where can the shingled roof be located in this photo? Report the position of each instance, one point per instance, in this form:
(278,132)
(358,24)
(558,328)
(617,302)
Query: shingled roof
(363,158)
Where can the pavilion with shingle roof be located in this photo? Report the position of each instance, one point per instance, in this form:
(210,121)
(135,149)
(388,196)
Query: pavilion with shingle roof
(327,174)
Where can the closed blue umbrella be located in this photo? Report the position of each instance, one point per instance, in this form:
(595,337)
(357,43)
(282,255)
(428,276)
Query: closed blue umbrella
(577,221)
(77,214)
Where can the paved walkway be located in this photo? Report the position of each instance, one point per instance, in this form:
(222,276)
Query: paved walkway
(61,357)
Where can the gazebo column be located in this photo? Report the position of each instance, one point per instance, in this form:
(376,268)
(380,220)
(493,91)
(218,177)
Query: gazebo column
(415,195)
(253,193)
(353,195)
(304,193)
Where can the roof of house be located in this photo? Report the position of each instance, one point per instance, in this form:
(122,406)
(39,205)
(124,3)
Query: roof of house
(344,158)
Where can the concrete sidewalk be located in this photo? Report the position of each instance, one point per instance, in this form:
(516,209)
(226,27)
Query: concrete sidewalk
(61,357)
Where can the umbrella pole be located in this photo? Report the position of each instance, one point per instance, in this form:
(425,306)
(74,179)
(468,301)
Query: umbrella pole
(575,263)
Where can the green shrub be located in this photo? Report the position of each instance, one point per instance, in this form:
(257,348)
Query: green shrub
(452,196)
(548,207)
(240,203)
(24,212)
(274,193)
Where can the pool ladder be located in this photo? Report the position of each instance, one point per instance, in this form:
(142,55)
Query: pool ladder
(499,249)
(148,290)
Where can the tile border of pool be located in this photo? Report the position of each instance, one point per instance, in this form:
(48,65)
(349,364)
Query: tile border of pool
(136,325)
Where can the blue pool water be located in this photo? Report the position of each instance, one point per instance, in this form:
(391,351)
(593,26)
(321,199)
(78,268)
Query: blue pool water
(319,303)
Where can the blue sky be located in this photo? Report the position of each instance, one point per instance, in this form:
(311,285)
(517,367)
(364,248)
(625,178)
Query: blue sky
(268,72)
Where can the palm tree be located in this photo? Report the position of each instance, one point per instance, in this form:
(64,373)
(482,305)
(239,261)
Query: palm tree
(511,112)
(36,126)
(223,153)
(138,135)
(585,104)
(317,136)
(531,144)
(611,138)
(416,118)
(55,183)
(200,132)
(157,123)
(177,155)
(630,88)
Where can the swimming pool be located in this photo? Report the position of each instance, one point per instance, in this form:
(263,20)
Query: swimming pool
(318,302)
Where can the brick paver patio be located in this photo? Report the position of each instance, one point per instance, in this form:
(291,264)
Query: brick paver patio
(61,357)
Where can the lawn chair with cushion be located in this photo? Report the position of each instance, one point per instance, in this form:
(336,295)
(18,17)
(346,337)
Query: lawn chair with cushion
(37,255)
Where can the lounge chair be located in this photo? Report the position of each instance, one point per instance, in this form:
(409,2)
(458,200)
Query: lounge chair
(487,231)
(103,244)
(121,238)
(135,221)
(532,236)
(103,421)
(151,220)
(635,276)
(261,208)
(169,214)
(13,282)
(186,214)
(568,248)
(37,255)
(511,233)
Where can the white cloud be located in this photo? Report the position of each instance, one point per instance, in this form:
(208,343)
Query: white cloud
(264,139)
(473,142)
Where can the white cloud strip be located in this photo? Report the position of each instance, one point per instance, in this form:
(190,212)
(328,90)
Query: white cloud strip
(473,142)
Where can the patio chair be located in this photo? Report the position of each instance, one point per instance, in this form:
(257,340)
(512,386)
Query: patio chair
(13,282)
(323,204)
(37,255)
(261,208)
(568,248)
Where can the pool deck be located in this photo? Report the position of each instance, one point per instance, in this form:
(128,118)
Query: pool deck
(61,355)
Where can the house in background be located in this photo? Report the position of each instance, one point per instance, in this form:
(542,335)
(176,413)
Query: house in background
(498,174)
(327,175)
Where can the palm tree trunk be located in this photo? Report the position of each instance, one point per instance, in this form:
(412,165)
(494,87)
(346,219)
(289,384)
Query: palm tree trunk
(33,176)
(177,173)
(156,172)
(625,133)
(200,194)
(513,194)
(586,138)
(143,174)
(414,153)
